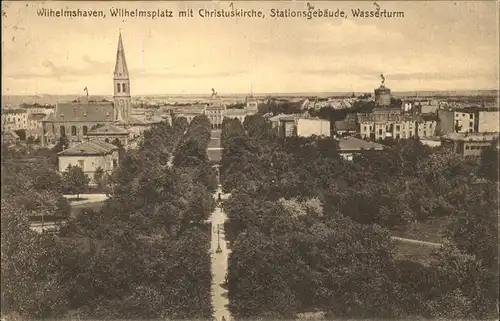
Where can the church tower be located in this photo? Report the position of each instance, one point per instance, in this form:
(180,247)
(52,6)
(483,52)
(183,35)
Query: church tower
(121,85)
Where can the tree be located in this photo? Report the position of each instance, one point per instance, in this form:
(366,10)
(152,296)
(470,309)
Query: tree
(74,181)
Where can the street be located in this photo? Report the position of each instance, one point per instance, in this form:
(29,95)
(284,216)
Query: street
(219,263)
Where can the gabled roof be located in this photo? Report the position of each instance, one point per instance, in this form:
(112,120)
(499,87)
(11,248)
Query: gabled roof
(93,147)
(84,112)
(107,129)
(356,144)
(345,125)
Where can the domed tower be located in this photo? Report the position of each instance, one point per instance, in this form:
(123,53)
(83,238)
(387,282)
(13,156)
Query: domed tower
(382,95)
(121,84)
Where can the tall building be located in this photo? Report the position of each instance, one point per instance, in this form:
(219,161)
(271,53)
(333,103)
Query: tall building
(121,84)
(75,119)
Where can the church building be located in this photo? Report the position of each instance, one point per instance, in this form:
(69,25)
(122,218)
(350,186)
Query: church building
(76,119)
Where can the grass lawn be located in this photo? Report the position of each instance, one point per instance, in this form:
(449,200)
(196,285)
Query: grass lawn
(430,231)
(75,209)
(414,252)
(215,155)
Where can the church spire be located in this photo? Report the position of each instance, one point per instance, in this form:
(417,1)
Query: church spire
(121,69)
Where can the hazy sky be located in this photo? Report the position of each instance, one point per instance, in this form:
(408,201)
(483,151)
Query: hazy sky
(436,46)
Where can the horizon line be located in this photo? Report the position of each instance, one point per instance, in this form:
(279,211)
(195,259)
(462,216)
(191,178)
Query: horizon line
(259,93)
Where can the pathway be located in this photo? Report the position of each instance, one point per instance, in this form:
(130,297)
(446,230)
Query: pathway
(403,240)
(86,198)
(220,300)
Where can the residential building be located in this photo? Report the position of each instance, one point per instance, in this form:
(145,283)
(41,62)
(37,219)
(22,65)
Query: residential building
(487,121)
(427,126)
(312,127)
(239,114)
(427,106)
(381,126)
(345,128)
(406,106)
(456,121)
(14,119)
(35,125)
(469,145)
(90,156)
(38,109)
(351,146)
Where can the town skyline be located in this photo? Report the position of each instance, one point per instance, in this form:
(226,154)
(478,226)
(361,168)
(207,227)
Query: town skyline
(454,48)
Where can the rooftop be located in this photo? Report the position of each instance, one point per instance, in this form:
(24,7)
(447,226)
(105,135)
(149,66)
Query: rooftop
(107,129)
(356,144)
(86,111)
(471,137)
(345,125)
(93,147)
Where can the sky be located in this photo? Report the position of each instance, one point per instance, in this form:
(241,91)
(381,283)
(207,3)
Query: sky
(437,46)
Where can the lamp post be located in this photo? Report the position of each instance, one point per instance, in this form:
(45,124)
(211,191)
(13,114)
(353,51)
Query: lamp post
(219,250)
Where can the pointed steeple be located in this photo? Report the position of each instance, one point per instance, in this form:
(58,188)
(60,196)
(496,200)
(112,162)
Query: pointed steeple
(121,69)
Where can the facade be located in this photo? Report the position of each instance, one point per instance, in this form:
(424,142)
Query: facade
(426,127)
(285,124)
(252,104)
(456,121)
(75,120)
(216,111)
(313,127)
(14,119)
(89,156)
(469,145)
(345,128)
(487,121)
(108,134)
(381,126)
(216,114)
(35,125)
(382,96)
(350,146)
(239,114)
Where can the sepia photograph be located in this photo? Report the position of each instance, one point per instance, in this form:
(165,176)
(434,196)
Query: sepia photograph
(250,160)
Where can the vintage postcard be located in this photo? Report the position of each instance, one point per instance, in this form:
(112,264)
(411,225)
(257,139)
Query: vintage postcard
(250,160)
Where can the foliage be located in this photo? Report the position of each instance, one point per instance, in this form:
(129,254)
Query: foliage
(74,181)
(309,231)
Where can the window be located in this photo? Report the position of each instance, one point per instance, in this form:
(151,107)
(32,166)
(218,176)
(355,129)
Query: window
(115,163)
(73,130)
(397,128)
(397,136)
(471,124)
(471,116)
(81,163)
(62,131)
(467,147)
(124,88)
(85,130)
(118,87)
(106,140)
(380,131)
